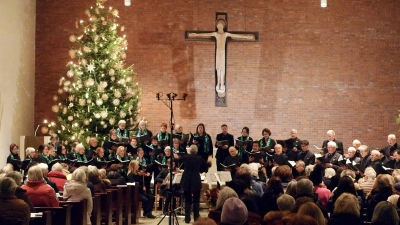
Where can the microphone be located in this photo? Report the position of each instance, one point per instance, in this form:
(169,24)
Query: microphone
(37,129)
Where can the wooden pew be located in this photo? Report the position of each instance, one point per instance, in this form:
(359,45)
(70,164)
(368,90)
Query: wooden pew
(125,192)
(78,210)
(106,207)
(96,212)
(117,207)
(135,209)
(59,215)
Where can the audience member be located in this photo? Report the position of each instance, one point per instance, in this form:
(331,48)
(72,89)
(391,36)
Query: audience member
(385,214)
(311,209)
(94,178)
(57,176)
(346,211)
(382,189)
(12,210)
(19,192)
(223,195)
(76,190)
(285,202)
(234,212)
(40,193)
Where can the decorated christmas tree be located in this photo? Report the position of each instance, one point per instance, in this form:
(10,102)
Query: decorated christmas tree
(98,89)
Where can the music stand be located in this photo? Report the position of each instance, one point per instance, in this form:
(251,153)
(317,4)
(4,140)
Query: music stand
(171,97)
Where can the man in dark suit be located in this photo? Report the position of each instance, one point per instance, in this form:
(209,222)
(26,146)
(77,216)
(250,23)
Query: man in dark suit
(293,146)
(331,137)
(395,163)
(365,159)
(332,158)
(376,163)
(305,154)
(223,150)
(352,155)
(388,150)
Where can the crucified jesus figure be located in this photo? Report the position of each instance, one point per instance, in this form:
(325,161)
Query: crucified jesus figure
(221,36)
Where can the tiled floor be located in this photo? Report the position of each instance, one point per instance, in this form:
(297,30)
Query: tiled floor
(165,221)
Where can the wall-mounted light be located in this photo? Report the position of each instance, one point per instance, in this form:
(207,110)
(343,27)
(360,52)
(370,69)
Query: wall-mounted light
(127,2)
(324,3)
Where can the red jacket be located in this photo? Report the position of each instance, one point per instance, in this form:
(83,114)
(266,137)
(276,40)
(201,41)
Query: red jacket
(59,178)
(40,194)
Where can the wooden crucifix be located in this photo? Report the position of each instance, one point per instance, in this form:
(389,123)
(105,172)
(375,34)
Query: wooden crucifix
(221,36)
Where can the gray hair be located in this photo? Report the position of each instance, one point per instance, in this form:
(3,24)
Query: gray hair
(16,176)
(375,152)
(7,185)
(223,195)
(332,144)
(392,136)
(351,149)
(57,167)
(329,172)
(93,172)
(121,122)
(370,173)
(29,150)
(78,147)
(356,142)
(294,131)
(331,132)
(363,148)
(35,173)
(79,175)
(349,173)
(285,202)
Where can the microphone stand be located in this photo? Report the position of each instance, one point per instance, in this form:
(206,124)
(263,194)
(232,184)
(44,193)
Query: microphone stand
(171,97)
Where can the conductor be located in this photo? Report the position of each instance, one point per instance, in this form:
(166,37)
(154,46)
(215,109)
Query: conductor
(191,181)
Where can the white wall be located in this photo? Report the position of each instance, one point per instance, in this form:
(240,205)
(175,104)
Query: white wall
(17,72)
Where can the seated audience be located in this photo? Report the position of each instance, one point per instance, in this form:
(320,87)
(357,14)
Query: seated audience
(346,185)
(94,178)
(327,179)
(385,214)
(76,190)
(40,193)
(311,209)
(45,171)
(12,210)
(323,193)
(103,177)
(115,177)
(346,211)
(274,190)
(368,180)
(285,202)
(223,195)
(204,221)
(291,188)
(57,176)
(19,192)
(234,212)
(382,189)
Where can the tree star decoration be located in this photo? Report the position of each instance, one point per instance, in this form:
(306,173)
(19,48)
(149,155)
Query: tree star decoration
(90,68)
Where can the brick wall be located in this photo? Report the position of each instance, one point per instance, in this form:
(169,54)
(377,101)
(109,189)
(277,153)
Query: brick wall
(314,68)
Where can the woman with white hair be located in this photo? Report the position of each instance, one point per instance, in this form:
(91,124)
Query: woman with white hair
(40,193)
(76,190)
(122,132)
(143,131)
(191,181)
